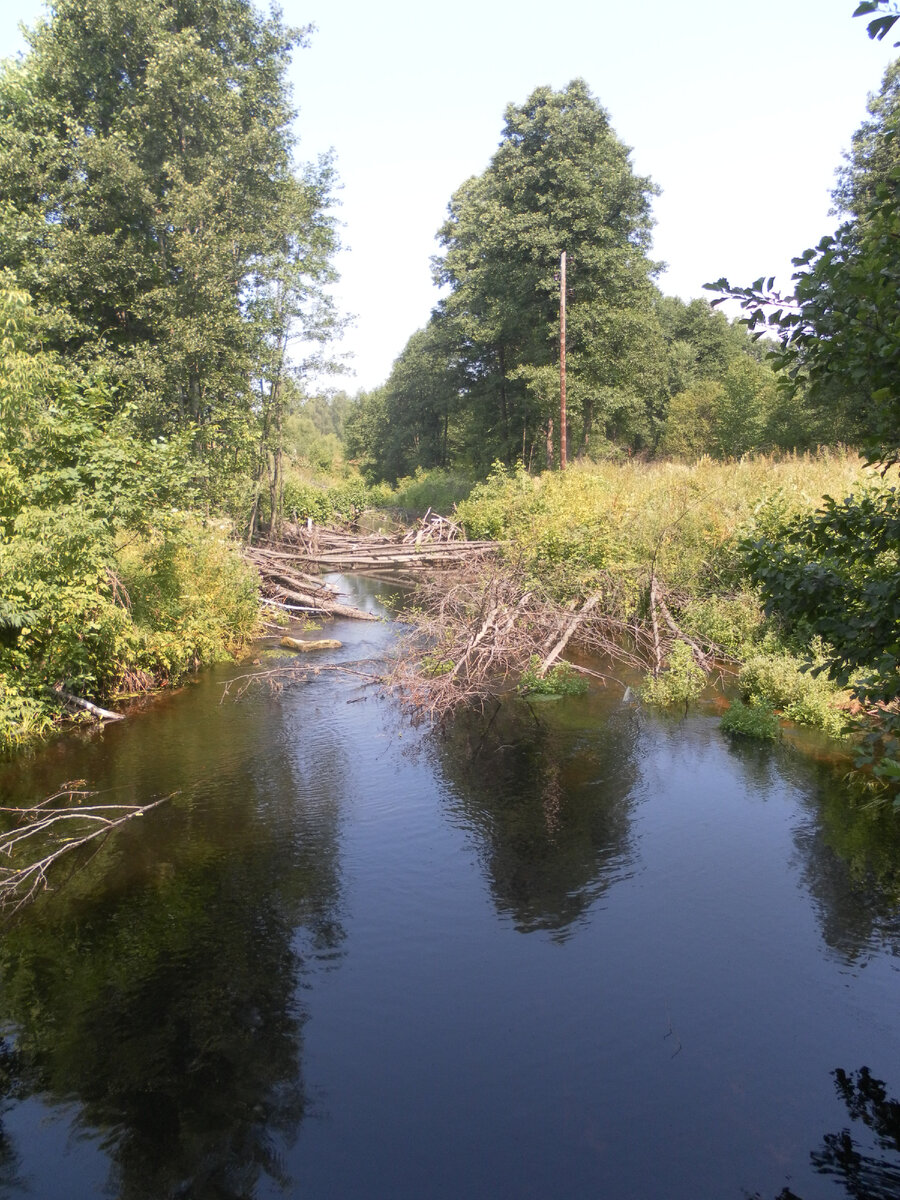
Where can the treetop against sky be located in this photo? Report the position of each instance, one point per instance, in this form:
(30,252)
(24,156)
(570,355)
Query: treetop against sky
(739,113)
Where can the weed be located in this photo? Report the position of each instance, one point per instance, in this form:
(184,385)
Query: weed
(680,683)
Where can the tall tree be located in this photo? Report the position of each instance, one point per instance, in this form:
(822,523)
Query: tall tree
(560,180)
(149,190)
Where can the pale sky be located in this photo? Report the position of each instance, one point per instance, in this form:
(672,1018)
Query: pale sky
(740,112)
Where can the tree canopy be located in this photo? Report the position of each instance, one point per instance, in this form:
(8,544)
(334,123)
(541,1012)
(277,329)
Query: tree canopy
(150,197)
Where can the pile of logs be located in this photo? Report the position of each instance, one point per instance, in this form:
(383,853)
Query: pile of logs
(286,586)
(435,542)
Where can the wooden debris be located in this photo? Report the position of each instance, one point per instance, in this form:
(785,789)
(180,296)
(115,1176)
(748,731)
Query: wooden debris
(102,714)
(289,643)
(48,831)
(567,635)
(436,542)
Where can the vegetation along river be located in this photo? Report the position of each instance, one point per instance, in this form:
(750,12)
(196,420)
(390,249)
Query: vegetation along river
(593,952)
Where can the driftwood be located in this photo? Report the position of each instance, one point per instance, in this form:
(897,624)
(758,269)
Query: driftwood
(557,650)
(476,630)
(436,542)
(290,643)
(281,582)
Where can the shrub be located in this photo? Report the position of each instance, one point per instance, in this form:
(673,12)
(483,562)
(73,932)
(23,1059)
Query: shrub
(437,489)
(754,720)
(781,681)
(560,680)
(681,682)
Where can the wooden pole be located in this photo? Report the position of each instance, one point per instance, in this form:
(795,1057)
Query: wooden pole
(562,362)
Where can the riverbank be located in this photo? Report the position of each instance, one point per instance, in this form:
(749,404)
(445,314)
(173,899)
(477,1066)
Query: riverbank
(642,564)
(636,562)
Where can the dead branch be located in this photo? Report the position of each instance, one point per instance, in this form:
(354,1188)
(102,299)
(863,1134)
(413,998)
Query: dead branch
(52,831)
(102,713)
(704,660)
(657,646)
(297,671)
(566,637)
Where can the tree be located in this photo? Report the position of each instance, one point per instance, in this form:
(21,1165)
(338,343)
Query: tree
(560,180)
(407,422)
(150,196)
(836,574)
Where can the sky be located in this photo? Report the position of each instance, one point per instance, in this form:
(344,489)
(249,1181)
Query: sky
(740,112)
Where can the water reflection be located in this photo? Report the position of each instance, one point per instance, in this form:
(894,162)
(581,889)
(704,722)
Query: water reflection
(549,799)
(851,866)
(856,1160)
(158,992)
(848,851)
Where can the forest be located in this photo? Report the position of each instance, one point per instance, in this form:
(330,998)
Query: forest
(165,272)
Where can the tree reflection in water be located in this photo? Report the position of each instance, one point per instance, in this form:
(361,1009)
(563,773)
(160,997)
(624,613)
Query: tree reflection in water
(862,1170)
(549,801)
(165,1006)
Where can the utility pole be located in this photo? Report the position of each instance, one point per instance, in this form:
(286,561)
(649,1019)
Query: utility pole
(562,362)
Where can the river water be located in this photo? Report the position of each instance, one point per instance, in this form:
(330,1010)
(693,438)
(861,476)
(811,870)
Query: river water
(589,952)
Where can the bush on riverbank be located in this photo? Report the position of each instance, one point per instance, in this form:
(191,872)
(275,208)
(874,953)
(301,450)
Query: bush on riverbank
(108,580)
(142,615)
(612,528)
(329,498)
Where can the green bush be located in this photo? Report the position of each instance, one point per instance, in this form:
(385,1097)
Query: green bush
(560,680)
(754,720)
(735,624)
(681,682)
(437,489)
(193,600)
(801,696)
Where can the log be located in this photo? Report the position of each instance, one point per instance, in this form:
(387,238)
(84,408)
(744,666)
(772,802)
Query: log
(289,643)
(326,608)
(103,713)
(657,650)
(702,658)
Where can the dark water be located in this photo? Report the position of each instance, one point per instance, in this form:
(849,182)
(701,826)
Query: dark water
(587,953)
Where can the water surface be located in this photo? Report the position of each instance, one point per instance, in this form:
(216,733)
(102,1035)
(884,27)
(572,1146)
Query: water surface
(585,952)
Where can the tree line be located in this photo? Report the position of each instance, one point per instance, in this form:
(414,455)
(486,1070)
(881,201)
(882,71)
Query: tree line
(645,372)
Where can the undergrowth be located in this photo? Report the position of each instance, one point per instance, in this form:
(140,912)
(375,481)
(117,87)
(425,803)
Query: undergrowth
(609,528)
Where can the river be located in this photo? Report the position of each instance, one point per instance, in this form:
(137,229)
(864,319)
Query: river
(591,952)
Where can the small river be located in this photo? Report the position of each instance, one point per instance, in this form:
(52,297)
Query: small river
(589,952)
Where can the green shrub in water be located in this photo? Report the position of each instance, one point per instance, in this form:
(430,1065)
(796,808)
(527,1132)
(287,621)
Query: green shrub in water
(754,720)
(680,683)
(801,696)
(561,680)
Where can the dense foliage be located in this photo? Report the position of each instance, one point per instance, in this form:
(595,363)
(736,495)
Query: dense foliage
(159,252)
(836,574)
(108,581)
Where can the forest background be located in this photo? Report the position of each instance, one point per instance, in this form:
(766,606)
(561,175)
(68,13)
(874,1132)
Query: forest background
(164,253)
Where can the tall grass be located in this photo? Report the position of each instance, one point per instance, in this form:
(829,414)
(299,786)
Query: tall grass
(611,527)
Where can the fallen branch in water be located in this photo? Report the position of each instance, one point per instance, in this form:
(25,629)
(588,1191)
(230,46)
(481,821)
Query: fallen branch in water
(478,629)
(103,713)
(567,635)
(297,671)
(53,831)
